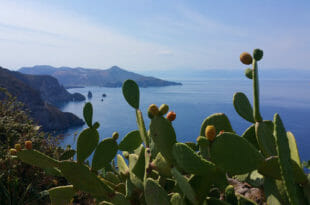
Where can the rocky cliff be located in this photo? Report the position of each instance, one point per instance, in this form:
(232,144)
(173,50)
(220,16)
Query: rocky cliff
(42,112)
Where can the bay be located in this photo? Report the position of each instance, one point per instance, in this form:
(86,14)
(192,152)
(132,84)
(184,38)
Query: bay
(196,99)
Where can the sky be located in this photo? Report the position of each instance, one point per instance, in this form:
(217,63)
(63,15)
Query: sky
(142,35)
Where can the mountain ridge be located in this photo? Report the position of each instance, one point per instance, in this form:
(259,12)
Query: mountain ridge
(111,77)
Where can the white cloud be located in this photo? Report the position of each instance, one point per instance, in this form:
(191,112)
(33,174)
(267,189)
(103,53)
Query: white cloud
(31,35)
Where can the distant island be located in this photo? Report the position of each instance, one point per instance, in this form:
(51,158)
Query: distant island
(40,96)
(81,77)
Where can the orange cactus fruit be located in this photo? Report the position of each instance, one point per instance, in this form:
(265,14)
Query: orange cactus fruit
(18,147)
(171,116)
(28,145)
(13,151)
(221,132)
(210,132)
(246,58)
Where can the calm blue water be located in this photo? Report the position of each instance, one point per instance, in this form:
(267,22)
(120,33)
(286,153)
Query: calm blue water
(197,99)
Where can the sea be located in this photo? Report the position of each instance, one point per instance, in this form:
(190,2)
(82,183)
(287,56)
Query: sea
(196,99)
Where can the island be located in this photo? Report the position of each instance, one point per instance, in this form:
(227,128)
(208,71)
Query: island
(82,77)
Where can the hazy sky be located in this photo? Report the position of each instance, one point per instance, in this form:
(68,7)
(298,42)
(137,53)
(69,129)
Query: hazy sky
(153,35)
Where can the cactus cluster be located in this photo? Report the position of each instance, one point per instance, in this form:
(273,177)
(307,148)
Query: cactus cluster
(155,169)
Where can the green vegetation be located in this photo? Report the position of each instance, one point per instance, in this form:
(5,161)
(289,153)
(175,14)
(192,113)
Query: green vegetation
(161,170)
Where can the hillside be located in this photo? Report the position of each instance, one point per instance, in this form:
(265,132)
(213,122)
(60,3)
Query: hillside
(112,77)
(40,110)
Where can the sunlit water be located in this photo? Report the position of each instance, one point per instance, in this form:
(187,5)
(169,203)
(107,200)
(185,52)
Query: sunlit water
(194,101)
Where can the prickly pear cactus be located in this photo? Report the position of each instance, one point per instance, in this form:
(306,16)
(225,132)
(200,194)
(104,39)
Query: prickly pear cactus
(153,168)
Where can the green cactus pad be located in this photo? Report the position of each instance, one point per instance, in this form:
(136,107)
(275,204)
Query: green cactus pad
(243,107)
(110,176)
(193,146)
(190,161)
(120,199)
(284,154)
(38,159)
(131,93)
(234,154)
(88,114)
(137,181)
(183,184)
(104,153)
(250,136)
(140,122)
(163,136)
(271,192)
(139,167)
(270,167)
(162,166)
(293,148)
(83,179)
(201,185)
(96,125)
(176,199)
(249,73)
(67,154)
(265,138)
(131,141)
(86,143)
(122,166)
(154,193)
(220,122)
(204,147)
(61,195)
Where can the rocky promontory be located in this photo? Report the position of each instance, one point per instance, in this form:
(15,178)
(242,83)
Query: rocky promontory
(36,93)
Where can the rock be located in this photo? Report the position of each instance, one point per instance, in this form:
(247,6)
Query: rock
(89,95)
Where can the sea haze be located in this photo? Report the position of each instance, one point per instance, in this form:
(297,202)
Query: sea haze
(195,100)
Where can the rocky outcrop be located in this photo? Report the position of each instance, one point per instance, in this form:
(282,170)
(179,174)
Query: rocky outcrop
(42,112)
(50,89)
(81,77)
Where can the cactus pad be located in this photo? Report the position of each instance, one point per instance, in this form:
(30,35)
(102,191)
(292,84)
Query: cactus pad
(83,179)
(36,158)
(154,193)
(183,184)
(234,154)
(243,107)
(191,162)
(131,93)
(163,136)
(283,150)
(104,153)
(61,195)
(88,114)
(265,138)
(86,143)
(131,141)
(219,121)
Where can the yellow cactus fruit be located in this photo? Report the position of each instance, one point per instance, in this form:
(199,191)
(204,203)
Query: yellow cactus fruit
(210,132)
(115,135)
(13,151)
(18,147)
(163,109)
(152,111)
(28,144)
(246,58)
